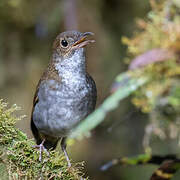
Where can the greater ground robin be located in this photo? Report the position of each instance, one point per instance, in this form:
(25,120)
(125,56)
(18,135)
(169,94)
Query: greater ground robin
(65,94)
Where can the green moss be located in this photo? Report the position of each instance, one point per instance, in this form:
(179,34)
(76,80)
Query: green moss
(21,159)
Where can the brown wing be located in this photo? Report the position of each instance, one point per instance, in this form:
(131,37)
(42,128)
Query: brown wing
(33,127)
(50,142)
(49,73)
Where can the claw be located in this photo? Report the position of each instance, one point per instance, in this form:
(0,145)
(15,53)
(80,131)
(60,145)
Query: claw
(41,149)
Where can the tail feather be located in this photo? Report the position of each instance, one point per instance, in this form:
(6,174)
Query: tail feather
(50,144)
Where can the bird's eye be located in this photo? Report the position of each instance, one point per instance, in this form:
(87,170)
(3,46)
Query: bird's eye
(64,43)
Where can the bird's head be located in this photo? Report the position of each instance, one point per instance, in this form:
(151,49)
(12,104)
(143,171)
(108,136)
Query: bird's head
(68,42)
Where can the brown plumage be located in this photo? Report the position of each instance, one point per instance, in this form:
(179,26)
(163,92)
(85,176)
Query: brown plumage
(65,94)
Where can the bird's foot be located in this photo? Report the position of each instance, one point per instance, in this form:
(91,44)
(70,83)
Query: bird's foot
(63,146)
(41,149)
(67,159)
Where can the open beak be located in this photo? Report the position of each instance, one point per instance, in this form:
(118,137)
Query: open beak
(83,41)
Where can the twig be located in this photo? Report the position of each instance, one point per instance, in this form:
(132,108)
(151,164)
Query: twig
(139,160)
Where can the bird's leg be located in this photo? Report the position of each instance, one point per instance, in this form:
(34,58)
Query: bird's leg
(63,147)
(41,149)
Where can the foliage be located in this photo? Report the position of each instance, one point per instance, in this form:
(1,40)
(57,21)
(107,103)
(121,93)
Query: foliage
(154,59)
(160,97)
(20,159)
(162,30)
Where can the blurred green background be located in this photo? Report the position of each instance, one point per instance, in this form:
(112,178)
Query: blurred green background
(27,31)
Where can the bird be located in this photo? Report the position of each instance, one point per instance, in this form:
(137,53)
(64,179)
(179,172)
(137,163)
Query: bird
(65,94)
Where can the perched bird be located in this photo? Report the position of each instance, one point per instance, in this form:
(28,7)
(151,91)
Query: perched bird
(65,94)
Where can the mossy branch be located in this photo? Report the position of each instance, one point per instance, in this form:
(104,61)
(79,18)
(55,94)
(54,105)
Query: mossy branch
(19,160)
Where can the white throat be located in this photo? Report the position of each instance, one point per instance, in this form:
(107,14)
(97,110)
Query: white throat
(72,69)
